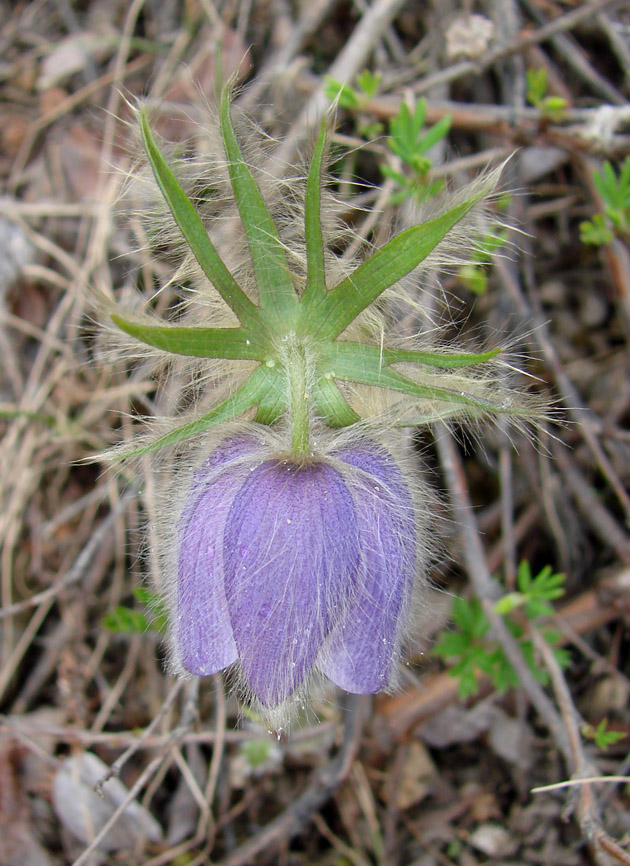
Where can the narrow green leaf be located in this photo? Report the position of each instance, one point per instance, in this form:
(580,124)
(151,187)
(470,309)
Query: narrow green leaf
(419,115)
(388,265)
(267,252)
(232,343)
(331,406)
(434,134)
(316,277)
(435,359)
(249,394)
(355,362)
(196,236)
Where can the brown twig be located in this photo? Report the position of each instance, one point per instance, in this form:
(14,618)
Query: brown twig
(577,61)
(586,809)
(321,786)
(485,586)
(570,397)
(594,512)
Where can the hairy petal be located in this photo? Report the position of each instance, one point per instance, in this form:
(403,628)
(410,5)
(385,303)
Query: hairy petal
(204,640)
(291,557)
(362,649)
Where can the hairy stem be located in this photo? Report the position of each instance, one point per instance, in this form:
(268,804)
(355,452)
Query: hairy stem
(296,366)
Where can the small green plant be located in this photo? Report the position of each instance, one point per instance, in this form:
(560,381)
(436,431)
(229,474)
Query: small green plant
(534,593)
(411,140)
(257,752)
(552,108)
(596,231)
(474,275)
(367,85)
(474,651)
(129,620)
(615,192)
(601,736)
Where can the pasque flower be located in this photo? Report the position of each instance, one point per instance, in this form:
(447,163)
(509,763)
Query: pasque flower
(292,540)
(293,568)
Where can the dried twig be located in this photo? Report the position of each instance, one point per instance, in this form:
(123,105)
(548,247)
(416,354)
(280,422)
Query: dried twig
(321,786)
(486,587)
(586,808)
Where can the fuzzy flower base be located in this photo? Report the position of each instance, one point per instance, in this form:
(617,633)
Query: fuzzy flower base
(288,568)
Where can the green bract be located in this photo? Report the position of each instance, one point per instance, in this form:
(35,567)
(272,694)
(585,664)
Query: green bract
(297,330)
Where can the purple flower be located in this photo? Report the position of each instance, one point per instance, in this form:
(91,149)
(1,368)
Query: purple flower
(295,568)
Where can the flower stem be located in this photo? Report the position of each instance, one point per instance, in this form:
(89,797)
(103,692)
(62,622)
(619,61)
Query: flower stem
(297,372)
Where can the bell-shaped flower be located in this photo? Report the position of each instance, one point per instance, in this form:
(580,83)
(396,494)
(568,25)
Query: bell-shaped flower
(288,569)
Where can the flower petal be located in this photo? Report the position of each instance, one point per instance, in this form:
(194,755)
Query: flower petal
(360,653)
(291,556)
(203,634)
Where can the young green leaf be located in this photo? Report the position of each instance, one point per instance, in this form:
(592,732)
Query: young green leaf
(596,231)
(476,651)
(438,131)
(125,620)
(601,736)
(369,83)
(343,93)
(155,603)
(536,85)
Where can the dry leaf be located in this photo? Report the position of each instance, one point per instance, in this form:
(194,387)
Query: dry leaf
(84,813)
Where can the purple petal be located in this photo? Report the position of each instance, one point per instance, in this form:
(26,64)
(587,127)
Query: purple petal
(290,558)
(359,655)
(204,640)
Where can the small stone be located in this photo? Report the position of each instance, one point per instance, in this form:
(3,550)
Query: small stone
(493,840)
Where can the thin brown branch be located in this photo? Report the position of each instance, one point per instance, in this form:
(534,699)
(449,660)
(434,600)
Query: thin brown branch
(486,587)
(323,783)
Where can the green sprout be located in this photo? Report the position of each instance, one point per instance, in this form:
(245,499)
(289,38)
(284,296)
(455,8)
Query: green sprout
(353,98)
(475,651)
(129,620)
(534,593)
(552,108)
(257,752)
(615,192)
(601,736)
(356,98)
(410,140)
